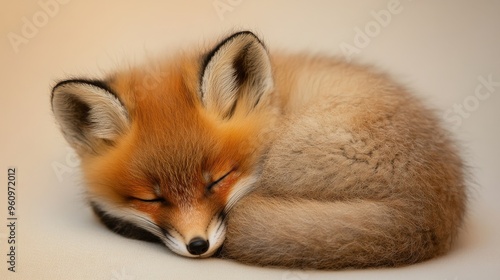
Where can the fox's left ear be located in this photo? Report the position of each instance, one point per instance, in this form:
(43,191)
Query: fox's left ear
(235,75)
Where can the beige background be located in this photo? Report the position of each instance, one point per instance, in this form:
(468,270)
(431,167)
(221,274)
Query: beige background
(441,49)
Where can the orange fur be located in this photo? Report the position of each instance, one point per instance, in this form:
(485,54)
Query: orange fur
(345,167)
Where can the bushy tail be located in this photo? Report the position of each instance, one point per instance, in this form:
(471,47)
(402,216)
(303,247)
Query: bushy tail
(330,235)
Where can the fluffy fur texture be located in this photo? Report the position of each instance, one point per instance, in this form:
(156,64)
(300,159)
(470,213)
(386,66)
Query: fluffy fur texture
(303,161)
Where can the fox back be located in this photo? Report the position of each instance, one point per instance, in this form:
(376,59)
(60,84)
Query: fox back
(270,159)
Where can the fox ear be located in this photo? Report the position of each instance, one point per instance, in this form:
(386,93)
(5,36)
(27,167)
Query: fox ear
(89,113)
(236,74)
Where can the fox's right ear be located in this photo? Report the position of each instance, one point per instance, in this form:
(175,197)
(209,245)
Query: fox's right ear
(89,113)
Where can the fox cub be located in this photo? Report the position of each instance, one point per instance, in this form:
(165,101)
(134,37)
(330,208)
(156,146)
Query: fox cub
(266,158)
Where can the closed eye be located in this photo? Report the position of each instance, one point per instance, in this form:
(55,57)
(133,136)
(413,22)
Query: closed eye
(157,199)
(210,186)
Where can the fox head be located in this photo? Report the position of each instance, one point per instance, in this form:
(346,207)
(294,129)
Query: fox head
(166,151)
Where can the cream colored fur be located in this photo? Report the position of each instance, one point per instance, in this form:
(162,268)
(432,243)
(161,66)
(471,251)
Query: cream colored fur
(360,174)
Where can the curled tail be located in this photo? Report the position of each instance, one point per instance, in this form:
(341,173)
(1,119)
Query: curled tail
(331,235)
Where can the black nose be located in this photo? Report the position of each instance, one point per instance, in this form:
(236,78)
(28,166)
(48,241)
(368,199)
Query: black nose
(197,246)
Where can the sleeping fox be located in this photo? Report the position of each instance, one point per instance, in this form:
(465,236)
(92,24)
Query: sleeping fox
(267,158)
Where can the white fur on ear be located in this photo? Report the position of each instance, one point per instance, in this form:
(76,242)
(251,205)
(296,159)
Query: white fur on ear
(238,68)
(88,113)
